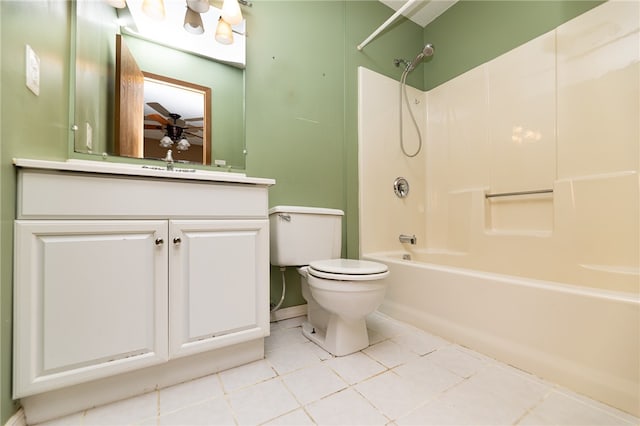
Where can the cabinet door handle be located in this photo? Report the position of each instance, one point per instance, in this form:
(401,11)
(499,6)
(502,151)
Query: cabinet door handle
(177,240)
(159,241)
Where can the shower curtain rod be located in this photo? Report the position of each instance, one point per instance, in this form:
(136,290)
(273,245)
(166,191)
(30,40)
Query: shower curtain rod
(386,23)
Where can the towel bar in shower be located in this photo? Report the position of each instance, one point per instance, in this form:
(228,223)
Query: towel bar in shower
(513,194)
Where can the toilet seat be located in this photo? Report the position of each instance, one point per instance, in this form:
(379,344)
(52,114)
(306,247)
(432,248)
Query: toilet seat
(348,270)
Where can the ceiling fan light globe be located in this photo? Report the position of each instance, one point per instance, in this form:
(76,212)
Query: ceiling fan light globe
(183,145)
(166,142)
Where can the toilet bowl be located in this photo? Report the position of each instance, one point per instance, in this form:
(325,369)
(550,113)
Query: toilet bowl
(340,293)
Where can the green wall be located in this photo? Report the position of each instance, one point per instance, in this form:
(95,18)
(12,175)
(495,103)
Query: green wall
(301,101)
(32,126)
(295,112)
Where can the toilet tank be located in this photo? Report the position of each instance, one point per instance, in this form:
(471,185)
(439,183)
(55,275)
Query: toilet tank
(299,235)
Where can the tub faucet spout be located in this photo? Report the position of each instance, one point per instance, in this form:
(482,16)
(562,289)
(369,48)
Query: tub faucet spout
(411,239)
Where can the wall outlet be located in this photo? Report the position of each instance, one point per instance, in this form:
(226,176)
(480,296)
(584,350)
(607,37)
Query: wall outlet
(89,140)
(32,70)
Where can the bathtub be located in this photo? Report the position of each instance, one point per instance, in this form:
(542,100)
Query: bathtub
(585,339)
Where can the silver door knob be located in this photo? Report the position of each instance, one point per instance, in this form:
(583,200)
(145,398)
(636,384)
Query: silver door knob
(177,240)
(159,241)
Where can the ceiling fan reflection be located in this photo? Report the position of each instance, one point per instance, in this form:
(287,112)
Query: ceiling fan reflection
(174,126)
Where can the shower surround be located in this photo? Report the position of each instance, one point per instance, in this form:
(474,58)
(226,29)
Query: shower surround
(560,113)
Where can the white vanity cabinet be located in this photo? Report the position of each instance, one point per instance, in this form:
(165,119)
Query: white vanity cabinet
(214,283)
(129,283)
(90,300)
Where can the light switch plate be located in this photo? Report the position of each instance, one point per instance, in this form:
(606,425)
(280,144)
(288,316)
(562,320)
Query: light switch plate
(32,70)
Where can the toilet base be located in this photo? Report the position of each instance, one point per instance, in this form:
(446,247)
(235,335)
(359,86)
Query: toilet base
(343,337)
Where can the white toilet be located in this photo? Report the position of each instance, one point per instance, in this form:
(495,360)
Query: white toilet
(340,293)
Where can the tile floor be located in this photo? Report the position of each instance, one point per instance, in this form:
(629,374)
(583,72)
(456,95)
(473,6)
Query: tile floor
(406,377)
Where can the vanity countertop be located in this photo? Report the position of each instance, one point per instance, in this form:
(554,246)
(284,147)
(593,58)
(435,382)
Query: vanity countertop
(143,170)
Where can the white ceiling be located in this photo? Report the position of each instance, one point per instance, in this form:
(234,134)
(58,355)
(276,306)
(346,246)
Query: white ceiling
(421,12)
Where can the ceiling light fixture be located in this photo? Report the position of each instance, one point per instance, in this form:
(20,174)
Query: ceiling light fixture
(227,12)
(174,134)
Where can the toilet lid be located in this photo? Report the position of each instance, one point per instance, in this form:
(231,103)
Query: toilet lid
(348,267)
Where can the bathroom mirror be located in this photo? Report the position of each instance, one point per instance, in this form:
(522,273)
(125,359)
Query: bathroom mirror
(94,106)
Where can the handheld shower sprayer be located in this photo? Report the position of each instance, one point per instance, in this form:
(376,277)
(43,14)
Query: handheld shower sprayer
(427,51)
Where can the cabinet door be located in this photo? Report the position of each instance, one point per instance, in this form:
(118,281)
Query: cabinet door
(90,300)
(219,283)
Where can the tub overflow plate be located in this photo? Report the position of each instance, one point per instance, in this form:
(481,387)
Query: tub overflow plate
(401,187)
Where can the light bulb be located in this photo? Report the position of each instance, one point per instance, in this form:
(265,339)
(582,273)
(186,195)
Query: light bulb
(231,12)
(224,34)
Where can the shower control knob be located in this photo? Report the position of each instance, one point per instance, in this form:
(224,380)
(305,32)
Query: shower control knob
(401,187)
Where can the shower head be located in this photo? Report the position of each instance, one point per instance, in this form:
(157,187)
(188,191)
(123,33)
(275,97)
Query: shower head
(427,51)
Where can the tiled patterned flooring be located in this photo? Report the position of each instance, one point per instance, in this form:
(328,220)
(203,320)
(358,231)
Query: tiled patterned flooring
(406,377)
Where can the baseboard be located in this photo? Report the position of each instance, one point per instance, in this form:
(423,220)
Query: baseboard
(18,419)
(290,312)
